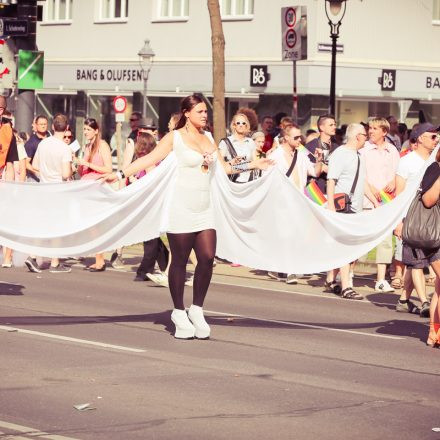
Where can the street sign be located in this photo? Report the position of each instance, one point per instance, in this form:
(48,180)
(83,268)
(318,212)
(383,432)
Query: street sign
(259,76)
(291,33)
(388,80)
(30,69)
(119,104)
(13,28)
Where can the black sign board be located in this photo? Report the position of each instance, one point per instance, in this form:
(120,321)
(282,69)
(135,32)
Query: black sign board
(15,28)
(388,80)
(259,76)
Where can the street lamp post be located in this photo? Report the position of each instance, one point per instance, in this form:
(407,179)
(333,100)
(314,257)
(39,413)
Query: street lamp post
(335,11)
(146,55)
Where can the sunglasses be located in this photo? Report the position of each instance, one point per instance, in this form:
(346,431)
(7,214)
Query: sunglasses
(68,137)
(134,120)
(240,123)
(295,138)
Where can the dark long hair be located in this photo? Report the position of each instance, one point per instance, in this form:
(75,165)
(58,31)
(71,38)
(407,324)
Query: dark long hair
(187,105)
(91,122)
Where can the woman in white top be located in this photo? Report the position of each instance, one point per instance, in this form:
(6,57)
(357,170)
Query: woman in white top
(239,145)
(191,217)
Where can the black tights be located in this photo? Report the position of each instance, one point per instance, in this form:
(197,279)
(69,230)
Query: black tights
(203,243)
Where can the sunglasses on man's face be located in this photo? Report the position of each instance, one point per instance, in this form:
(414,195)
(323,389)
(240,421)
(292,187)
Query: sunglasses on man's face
(134,120)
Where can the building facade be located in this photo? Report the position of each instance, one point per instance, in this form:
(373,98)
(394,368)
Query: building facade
(91,56)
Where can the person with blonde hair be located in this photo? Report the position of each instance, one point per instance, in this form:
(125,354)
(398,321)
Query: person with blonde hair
(239,146)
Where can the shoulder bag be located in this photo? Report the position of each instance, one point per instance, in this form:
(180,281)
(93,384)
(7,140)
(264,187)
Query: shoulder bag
(421,227)
(342,200)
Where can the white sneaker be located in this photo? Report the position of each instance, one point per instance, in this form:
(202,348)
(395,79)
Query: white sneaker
(383,286)
(195,314)
(159,278)
(291,279)
(184,328)
(190,281)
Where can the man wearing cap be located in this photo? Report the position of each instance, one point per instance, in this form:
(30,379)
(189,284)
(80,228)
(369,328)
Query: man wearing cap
(410,166)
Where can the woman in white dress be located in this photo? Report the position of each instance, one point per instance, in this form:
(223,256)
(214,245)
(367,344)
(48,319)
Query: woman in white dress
(191,218)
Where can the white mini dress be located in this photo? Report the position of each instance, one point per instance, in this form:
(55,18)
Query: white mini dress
(190,208)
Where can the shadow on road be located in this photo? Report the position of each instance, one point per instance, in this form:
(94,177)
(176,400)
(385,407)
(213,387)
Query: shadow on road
(394,327)
(11,289)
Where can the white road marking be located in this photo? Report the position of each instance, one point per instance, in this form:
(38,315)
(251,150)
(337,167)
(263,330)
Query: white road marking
(69,339)
(299,324)
(31,432)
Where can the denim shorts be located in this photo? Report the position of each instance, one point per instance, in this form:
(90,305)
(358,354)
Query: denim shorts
(419,258)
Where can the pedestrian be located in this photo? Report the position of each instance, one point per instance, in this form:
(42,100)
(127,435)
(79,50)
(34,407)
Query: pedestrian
(327,130)
(97,161)
(40,126)
(134,125)
(266,128)
(154,250)
(285,123)
(239,146)
(346,175)
(191,217)
(410,166)
(393,135)
(413,257)
(53,163)
(296,165)
(259,138)
(381,161)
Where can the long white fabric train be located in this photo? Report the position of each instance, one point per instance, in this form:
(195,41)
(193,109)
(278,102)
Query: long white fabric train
(264,224)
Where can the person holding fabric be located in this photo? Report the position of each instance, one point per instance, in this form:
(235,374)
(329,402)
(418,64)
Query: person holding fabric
(345,164)
(430,192)
(296,165)
(191,216)
(410,166)
(381,162)
(239,145)
(97,161)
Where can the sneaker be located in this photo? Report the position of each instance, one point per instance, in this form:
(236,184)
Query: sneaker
(424,310)
(407,307)
(32,265)
(277,276)
(383,286)
(7,265)
(190,281)
(291,279)
(60,269)
(117,262)
(159,278)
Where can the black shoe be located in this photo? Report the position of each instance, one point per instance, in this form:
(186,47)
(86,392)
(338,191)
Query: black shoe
(97,269)
(140,277)
(424,310)
(32,265)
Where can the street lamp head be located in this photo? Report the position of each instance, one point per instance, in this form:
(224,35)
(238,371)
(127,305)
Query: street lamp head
(333,10)
(146,55)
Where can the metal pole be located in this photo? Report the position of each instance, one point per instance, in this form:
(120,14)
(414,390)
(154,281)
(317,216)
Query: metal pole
(295,95)
(26,10)
(144,103)
(333,75)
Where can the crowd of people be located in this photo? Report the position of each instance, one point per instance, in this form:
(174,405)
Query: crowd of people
(353,168)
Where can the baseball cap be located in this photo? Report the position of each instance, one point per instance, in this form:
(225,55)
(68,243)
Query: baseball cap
(423,128)
(147,123)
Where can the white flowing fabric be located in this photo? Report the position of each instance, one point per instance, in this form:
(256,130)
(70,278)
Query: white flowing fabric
(264,224)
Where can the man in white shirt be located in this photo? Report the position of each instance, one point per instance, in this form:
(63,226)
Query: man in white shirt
(53,162)
(410,167)
(283,156)
(343,165)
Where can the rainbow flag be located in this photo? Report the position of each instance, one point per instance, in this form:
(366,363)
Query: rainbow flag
(386,197)
(313,192)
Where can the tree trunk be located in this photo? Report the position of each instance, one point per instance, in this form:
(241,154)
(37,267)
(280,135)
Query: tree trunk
(218,70)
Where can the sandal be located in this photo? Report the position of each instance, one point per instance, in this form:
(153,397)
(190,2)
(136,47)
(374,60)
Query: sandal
(396,282)
(332,287)
(349,293)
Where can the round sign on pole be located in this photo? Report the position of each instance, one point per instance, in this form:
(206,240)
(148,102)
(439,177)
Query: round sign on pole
(290,17)
(291,38)
(119,104)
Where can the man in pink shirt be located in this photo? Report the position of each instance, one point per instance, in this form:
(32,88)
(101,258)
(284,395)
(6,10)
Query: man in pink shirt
(381,162)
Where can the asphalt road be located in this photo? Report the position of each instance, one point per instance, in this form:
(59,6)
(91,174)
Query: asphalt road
(283,362)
